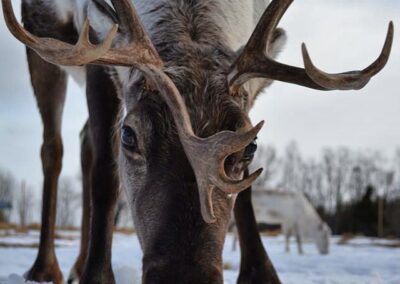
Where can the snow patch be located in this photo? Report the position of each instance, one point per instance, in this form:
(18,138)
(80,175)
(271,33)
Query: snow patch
(346,264)
(15,279)
(127,275)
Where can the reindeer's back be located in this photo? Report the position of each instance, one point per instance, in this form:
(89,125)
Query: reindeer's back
(276,207)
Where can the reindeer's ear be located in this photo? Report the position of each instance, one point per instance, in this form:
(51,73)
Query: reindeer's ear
(255,86)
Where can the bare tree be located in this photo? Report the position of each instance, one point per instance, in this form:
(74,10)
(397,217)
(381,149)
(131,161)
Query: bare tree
(24,204)
(7,185)
(336,165)
(68,202)
(267,159)
(396,168)
(312,182)
(291,172)
(343,165)
(368,169)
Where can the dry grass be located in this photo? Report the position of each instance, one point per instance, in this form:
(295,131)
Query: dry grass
(59,236)
(7,226)
(345,239)
(9,229)
(22,245)
(18,245)
(125,231)
(228,266)
(18,228)
(392,245)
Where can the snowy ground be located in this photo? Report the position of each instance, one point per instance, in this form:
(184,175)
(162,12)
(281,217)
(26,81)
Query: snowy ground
(359,261)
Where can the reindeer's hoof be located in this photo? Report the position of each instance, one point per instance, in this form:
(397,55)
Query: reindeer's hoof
(45,273)
(76,271)
(73,277)
(97,277)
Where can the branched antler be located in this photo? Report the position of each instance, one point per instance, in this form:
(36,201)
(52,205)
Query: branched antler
(56,51)
(139,50)
(253,62)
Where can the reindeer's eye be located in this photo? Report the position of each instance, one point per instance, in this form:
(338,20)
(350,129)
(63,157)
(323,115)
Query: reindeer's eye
(250,150)
(128,138)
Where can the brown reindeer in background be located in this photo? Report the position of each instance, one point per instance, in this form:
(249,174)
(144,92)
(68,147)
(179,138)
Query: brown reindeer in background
(179,90)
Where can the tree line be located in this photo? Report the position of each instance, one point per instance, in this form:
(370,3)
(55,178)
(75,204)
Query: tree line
(23,204)
(20,203)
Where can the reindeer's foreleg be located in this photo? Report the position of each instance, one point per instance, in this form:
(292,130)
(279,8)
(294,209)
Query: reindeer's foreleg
(255,267)
(103,108)
(86,166)
(287,231)
(49,85)
(298,240)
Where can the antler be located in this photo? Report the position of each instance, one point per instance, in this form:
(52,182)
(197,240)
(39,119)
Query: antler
(253,62)
(206,155)
(55,51)
(138,51)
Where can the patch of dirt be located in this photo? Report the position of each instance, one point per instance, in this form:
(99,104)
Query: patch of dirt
(23,245)
(125,231)
(228,266)
(391,245)
(58,236)
(18,245)
(345,238)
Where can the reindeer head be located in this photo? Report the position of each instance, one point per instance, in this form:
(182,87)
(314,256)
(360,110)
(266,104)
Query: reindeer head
(185,135)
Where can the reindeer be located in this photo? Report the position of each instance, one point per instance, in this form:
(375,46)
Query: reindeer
(171,90)
(294,213)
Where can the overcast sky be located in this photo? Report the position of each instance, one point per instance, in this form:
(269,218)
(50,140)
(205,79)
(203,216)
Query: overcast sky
(340,34)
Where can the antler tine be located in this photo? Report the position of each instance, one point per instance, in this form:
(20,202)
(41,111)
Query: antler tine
(229,142)
(353,80)
(128,18)
(228,186)
(55,51)
(15,28)
(253,62)
(83,40)
(139,51)
(383,58)
(231,186)
(262,34)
